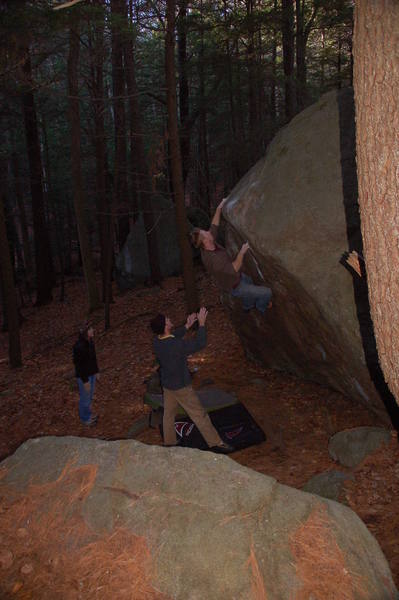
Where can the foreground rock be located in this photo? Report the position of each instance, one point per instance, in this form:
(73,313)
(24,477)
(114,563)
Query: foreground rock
(298,209)
(351,446)
(206,526)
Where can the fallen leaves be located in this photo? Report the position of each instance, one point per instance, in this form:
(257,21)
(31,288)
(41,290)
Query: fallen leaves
(298,417)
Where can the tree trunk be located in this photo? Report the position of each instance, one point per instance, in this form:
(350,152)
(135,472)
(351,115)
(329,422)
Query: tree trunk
(22,221)
(252,80)
(121,192)
(108,274)
(60,249)
(233,141)
(300,55)
(323,61)
(70,228)
(96,88)
(288,57)
(184,93)
(203,158)
(43,261)
(376,84)
(339,61)
(302,35)
(76,162)
(273,95)
(351,55)
(9,293)
(243,151)
(56,211)
(139,163)
(176,165)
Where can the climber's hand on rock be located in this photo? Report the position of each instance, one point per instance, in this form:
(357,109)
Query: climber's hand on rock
(244,248)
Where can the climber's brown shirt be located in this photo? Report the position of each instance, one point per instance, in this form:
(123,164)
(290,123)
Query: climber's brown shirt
(219,264)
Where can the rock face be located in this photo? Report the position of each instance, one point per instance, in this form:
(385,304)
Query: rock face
(298,209)
(210,527)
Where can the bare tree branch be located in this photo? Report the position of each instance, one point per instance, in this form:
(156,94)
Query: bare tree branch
(66,4)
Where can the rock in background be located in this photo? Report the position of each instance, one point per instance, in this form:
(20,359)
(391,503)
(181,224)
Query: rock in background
(132,263)
(328,484)
(351,446)
(298,209)
(113,516)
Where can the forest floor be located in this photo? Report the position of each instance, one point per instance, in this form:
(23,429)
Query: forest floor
(298,417)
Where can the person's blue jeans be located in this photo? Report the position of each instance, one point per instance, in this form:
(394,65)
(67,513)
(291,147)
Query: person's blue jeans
(252,295)
(85,399)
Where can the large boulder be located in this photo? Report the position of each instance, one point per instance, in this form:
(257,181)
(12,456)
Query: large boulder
(298,209)
(85,518)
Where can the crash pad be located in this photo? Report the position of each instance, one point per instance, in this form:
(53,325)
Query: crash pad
(234,423)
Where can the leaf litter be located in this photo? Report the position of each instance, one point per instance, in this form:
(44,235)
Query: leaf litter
(41,398)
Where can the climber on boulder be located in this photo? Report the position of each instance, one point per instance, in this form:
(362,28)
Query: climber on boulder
(227,272)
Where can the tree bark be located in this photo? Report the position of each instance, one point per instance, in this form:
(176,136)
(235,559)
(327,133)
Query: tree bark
(303,30)
(43,261)
(70,228)
(76,162)
(176,164)
(243,160)
(9,293)
(96,88)
(234,142)
(184,92)
(300,54)
(203,157)
(121,192)
(108,274)
(339,61)
(273,95)
(252,82)
(376,84)
(139,163)
(323,61)
(288,57)
(56,210)
(22,220)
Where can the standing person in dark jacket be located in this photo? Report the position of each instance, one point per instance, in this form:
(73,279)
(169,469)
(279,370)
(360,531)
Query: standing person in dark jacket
(86,369)
(171,351)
